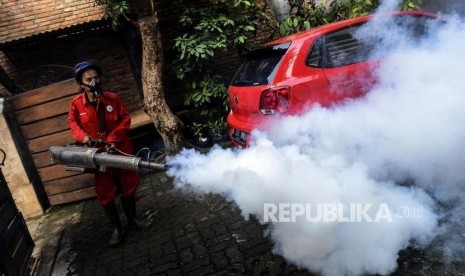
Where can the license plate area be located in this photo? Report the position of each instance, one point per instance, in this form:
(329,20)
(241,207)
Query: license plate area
(239,136)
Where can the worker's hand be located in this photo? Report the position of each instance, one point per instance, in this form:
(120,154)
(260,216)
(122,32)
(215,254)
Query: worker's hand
(110,148)
(86,140)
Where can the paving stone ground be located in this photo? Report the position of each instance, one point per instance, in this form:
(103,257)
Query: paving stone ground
(190,235)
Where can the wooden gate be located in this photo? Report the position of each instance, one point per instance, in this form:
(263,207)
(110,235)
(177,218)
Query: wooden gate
(16,244)
(43,118)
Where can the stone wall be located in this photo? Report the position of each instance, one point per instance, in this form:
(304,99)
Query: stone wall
(17,180)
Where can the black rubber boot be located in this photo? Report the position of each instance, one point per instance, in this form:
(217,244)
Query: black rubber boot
(129,207)
(113,217)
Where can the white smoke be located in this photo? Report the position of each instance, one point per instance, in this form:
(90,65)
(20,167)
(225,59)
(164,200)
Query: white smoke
(402,145)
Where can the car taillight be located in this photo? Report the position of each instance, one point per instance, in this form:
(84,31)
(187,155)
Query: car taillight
(274,100)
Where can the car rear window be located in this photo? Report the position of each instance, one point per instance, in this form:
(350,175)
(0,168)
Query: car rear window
(260,66)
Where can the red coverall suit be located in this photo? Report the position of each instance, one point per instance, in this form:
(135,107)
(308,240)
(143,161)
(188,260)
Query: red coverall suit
(83,120)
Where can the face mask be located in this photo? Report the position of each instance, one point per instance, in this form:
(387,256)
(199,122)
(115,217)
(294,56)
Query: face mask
(95,87)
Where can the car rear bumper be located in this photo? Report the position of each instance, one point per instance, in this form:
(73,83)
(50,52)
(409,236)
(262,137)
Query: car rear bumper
(242,124)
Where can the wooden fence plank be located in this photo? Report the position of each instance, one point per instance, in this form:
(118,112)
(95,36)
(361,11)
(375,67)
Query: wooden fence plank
(140,118)
(72,196)
(55,172)
(44,143)
(42,115)
(45,110)
(42,159)
(69,184)
(60,123)
(45,127)
(46,93)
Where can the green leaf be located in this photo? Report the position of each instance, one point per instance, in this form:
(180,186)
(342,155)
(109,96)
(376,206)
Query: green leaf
(289,21)
(296,22)
(197,97)
(283,29)
(307,25)
(249,28)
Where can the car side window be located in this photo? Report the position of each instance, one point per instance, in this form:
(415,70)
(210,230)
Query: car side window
(316,56)
(343,48)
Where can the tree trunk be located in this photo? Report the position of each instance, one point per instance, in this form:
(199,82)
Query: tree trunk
(167,124)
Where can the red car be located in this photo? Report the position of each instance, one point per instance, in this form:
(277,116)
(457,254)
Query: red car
(323,65)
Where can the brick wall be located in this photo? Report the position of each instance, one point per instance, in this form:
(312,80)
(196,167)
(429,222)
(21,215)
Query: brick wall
(103,46)
(9,70)
(23,18)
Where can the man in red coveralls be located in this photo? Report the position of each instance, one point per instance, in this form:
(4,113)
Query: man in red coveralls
(94,115)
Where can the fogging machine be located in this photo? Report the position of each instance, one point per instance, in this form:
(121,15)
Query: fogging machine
(85,159)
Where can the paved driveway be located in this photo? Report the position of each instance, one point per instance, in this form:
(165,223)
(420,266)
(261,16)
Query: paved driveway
(191,235)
